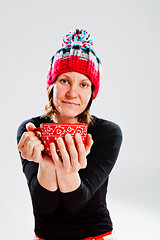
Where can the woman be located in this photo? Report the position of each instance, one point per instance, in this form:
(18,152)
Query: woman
(69,193)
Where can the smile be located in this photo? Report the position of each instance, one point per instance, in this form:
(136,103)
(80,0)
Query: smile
(70,103)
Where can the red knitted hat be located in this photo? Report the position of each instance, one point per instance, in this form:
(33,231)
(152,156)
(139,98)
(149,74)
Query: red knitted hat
(76,55)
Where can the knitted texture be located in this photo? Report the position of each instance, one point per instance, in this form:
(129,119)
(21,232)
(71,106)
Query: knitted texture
(77,55)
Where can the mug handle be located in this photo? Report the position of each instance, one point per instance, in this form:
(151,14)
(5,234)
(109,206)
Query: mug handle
(36,129)
(39,130)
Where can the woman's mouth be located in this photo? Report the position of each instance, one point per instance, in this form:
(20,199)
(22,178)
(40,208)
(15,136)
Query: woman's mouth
(70,103)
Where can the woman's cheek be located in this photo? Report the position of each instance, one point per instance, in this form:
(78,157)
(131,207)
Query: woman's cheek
(87,97)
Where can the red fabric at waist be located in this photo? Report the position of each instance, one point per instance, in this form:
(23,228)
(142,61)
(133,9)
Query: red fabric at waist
(37,238)
(99,237)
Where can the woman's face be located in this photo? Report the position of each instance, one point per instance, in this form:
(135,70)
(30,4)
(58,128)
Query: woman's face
(71,95)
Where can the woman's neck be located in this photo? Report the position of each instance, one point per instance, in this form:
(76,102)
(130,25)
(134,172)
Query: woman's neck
(63,119)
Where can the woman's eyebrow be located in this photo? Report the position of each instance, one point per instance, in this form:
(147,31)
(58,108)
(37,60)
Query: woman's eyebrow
(85,79)
(64,75)
(81,80)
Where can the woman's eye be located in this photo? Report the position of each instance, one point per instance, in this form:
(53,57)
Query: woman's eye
(64,81)
(84,85)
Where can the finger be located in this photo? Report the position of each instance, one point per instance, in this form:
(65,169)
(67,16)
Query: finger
(31,145)
(81,150)
(55,157)
(30,126)
(72,152)
(64,154)
(37,153)
(22,141)
(89,143)
(27,136)
(28,149)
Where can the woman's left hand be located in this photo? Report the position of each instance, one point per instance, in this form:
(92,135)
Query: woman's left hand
(73,154)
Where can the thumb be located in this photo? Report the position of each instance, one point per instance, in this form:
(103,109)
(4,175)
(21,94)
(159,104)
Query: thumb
(30,126)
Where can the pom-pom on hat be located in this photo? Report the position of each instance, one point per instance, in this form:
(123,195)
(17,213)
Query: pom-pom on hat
(77,54)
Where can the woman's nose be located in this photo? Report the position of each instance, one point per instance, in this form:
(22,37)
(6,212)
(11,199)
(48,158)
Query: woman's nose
(72,91)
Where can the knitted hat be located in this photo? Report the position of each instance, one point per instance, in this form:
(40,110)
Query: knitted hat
(76,55)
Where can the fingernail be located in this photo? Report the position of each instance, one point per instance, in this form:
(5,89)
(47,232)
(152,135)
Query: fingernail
(78,135)
(52,144)
(27,124)
(68,136)
(59,140)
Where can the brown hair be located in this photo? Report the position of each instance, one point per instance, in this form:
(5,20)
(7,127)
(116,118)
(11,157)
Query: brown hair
(50,109)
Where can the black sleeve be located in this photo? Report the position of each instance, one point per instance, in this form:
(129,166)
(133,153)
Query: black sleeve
(43,200)
(107,137)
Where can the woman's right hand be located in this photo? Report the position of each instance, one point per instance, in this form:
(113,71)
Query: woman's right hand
(31,147)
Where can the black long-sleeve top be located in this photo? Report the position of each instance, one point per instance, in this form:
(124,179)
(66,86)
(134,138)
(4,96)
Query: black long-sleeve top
(81,213)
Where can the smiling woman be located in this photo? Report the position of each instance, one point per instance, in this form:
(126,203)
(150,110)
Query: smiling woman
(68,189)
(77,88)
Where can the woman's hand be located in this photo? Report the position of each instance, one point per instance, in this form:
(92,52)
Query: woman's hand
(31,147)
(73,158)
(73,154)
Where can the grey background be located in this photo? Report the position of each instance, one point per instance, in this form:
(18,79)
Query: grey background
(126,36)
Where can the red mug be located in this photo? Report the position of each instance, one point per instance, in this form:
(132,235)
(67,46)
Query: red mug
(51,131)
